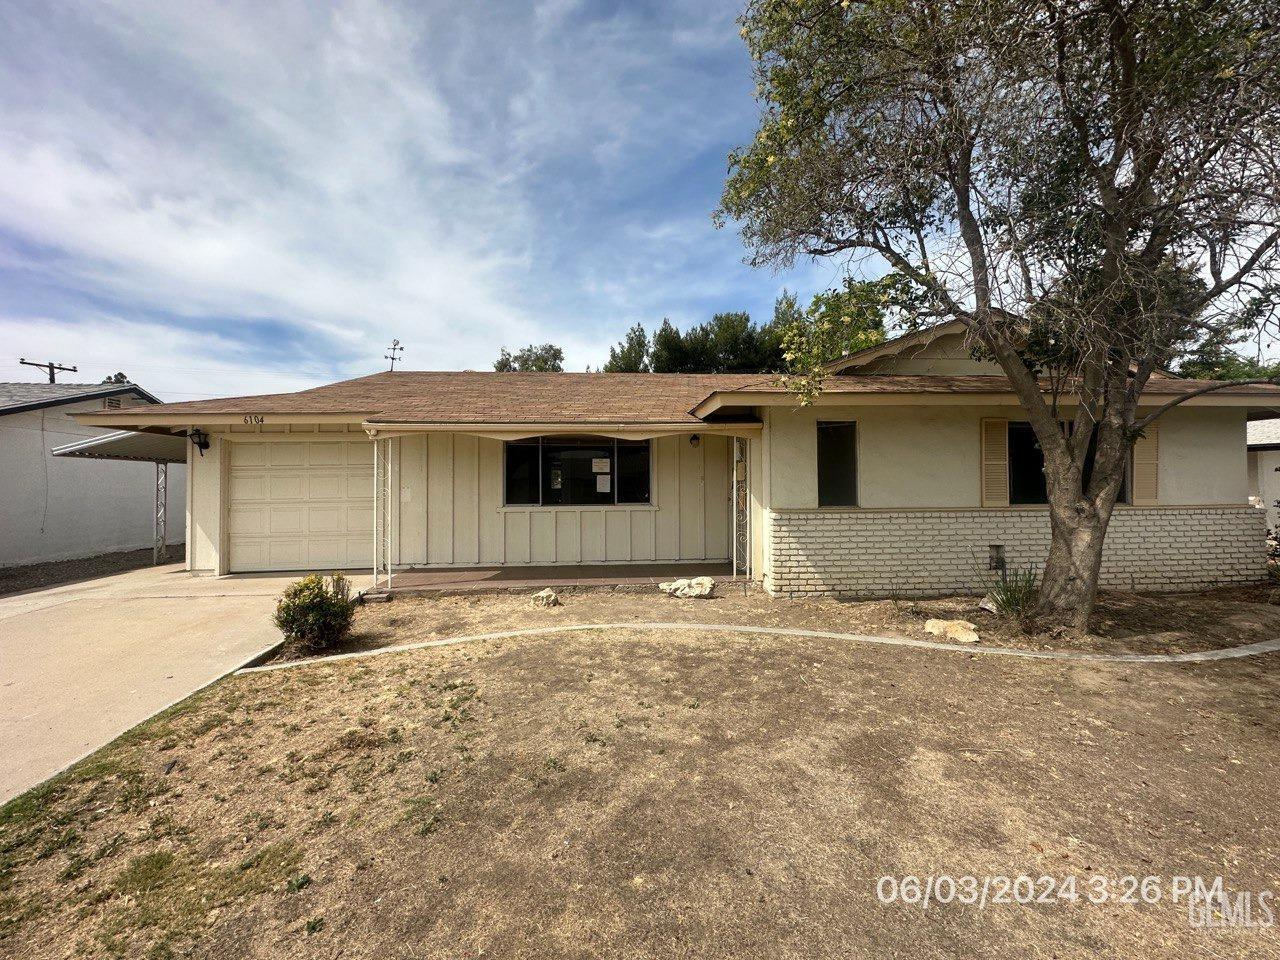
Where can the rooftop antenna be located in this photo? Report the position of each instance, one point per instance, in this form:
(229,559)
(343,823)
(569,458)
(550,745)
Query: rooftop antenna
(51,368)
(392,353)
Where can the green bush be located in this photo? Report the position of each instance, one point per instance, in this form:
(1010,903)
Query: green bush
(315,613)
(1017,593)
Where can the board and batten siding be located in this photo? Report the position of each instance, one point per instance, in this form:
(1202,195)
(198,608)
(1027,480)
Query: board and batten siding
(451,510)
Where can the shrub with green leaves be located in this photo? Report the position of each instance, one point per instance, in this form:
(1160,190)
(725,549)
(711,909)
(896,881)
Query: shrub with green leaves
(316,612)
(1017,593)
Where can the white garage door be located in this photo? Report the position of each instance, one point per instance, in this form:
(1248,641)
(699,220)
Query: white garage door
(300,505)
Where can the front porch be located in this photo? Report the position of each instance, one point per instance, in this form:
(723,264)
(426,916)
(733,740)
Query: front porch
(638,576)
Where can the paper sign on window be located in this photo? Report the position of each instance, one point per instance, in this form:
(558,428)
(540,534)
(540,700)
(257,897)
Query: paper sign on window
(602,483)
(600,465)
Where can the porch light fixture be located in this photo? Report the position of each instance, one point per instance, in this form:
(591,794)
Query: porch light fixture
(695,441)
(200,439)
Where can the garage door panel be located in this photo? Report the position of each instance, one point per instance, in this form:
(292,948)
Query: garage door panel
(286,520)
(359,487)
(326,486)
(286,486)
(247,520)
(326,553)
(300,505)
(288,454)
(250,486)
(360,552)
(249,454)
(326,518)
(287,554)
(325,454)
(250,554)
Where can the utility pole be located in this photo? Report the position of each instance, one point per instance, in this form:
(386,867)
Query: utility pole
(393,353)
(50,367)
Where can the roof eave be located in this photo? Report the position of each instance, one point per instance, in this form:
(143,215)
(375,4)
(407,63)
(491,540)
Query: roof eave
(119,391)
(719,399)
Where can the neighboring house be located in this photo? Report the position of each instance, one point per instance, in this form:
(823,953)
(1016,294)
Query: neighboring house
(1264,466)
(909,475)
(53,508)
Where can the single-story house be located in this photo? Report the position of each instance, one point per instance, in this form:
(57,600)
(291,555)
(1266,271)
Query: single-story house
(59,508)
(913,473)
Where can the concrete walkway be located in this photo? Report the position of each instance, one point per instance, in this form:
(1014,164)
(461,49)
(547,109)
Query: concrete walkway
(80,664)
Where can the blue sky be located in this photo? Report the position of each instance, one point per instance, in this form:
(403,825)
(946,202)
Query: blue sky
(223,198)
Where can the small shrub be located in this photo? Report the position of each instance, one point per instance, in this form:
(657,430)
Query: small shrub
(1017,593)
(315,613)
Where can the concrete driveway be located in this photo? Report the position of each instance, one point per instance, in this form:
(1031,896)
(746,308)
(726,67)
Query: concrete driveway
(81,664)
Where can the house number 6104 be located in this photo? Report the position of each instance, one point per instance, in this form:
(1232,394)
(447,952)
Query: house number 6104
(254,418)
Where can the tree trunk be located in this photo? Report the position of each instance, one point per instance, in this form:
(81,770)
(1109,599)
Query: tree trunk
(1069,585)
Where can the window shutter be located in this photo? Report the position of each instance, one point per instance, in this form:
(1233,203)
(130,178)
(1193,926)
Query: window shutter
(1146,467)
(995,463)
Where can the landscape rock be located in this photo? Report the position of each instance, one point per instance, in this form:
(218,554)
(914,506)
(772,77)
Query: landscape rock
(961,631)
(988,603)
(546,598)
(697,587)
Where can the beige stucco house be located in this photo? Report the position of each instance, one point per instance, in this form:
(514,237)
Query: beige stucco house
(911,474)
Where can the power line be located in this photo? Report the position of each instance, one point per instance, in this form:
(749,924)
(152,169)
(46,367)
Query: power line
(51,367)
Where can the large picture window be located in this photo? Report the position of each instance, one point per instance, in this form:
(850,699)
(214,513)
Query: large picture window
(576,471)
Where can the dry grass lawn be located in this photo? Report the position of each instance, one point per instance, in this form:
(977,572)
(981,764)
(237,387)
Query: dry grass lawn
(623,793)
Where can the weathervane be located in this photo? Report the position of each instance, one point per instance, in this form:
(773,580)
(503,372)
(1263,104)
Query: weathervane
(392,353)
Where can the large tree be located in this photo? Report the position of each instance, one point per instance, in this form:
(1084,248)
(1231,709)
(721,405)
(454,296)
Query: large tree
(1090,186)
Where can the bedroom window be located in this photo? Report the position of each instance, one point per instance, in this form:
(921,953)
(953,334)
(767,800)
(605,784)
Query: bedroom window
(576,471)
(837,463)
(1026,466)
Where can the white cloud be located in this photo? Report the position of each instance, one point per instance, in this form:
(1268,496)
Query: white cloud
(311,179)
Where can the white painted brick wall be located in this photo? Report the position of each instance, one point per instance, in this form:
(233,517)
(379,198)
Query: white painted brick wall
(878,553)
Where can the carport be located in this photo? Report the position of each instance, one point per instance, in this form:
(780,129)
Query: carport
(159,448)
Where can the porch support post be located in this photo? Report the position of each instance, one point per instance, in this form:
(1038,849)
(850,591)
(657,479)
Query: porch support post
(158,545)
(740,501)
(383,511)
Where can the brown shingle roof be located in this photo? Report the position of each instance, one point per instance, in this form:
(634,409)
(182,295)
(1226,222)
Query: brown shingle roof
(481,397)
(413,396)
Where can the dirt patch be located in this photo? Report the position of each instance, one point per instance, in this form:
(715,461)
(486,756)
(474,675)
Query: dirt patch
(630,794)
(37,576)
(1124,623)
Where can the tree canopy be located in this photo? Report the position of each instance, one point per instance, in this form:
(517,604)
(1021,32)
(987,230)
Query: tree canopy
(1091,186)
(547,358)
(838,322)
(728,343)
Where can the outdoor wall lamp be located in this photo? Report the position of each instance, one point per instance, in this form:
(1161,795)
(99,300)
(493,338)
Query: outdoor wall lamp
(200,439)
(695,441)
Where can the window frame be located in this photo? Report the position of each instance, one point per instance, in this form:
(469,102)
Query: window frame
(1123,498)
(543,440)
(857,458)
